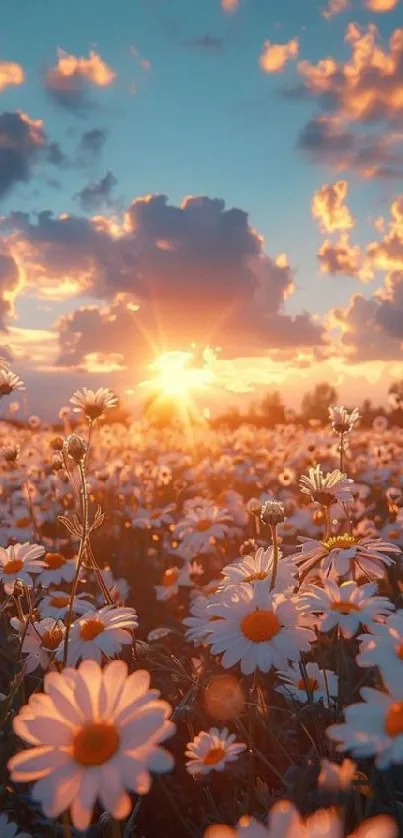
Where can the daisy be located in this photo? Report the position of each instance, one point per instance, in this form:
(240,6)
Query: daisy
(9,382)
(383,647)
(327,488)
(56,569)
(57,604)
(260,567)
(258,628)
(347,605)
(93,403)
(95,734)
(8,829)
(99,633)
(203,524)
(18,562)
(154,518)
(42,641)
(319,685)
(199,622)
(372,728)
(212,750)
(346,555)
(286,822)
(342,420)
(174,578)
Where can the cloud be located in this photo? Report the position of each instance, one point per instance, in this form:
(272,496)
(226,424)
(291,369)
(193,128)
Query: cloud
(92,142)
(387,254)
(11,74)
(207,42)
(368,86)
(328,207)
(23,143)
(9,283)
(69,81)
(274,57)
(381,5)
(328,142)
(335,7)
(230,5)
(372,329)
(198,270)
(96,196)
(341,257)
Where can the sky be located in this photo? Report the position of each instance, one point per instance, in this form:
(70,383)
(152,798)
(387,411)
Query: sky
(221,178)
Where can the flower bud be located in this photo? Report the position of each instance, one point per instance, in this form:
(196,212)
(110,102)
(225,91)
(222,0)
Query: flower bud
(11,452)
(272,513)
(75,447)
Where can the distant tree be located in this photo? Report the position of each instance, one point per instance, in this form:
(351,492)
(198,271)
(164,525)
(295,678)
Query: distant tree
(315,405)
(395,398)
(272,408)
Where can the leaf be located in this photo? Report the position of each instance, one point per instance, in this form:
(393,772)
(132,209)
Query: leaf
(73,525)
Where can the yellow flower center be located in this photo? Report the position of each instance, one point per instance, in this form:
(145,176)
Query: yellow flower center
(52,639)
(54,561)
(394,719)
(59,601)
(90,629)
(170,576)
(341,542)
(13,566)
(203,525)
(310,685)
(345,607)
(95,744)
(260,626)
(256,577)
(214,756)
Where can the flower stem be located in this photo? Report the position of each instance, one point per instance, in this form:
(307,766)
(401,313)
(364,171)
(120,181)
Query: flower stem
(273,528)
(341,450)
(81,555)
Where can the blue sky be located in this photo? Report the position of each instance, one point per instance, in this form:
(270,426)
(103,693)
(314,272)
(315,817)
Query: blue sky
(195,121)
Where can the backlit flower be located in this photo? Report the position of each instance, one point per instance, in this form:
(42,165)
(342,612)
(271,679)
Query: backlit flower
(383,647)
(18,562)
(95,735)
(315,684)
(212,750)
(347,605)
(252,568)
(93,403)
(9,382)
(327,488)
(347,555)
(57,604)
(342,420)
(174,578)
(372,728)
(42,640)
(257,628)
(99,633)
(56,569)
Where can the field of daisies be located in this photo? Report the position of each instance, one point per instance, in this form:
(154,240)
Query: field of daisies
(201,630)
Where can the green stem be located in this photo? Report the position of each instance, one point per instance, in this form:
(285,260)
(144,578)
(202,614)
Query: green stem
(81,555)
(341,449)
(273,528)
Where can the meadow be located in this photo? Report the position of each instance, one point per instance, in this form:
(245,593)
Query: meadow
(201,627)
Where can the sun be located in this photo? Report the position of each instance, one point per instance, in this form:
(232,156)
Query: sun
(176,374)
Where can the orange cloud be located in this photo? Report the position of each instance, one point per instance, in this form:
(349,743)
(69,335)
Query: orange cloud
(274,57)
(229,5)
(369,86)
(341,258)
(94,69)
(381,5)
(335,7)
(328,207)
(10,74)
(387,255)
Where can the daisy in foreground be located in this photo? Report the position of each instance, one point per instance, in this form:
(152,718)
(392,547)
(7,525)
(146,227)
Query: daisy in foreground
(345,555)
(212,750)
(327,488)
(347,605)
(95,735)
(8,829)
(102,632)
(18,562)
(286,822)
(258,628)
(93,403)
(383,647)
(373,727)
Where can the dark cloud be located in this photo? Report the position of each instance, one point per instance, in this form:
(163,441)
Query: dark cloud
(92,142)
(373,328)
(207,42)
(198,270)
(23,143)
(97,195)
(326,142)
